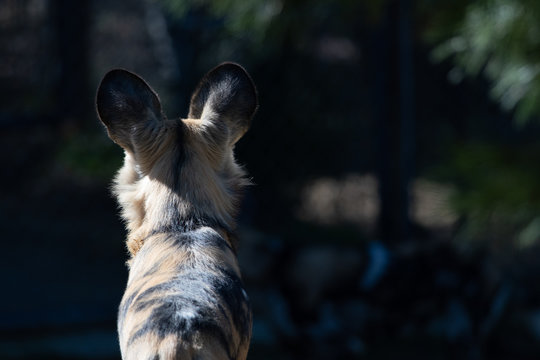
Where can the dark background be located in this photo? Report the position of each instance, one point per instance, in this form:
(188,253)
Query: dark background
(395,155)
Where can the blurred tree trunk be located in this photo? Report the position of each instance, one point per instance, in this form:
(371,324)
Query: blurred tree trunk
(395,117)
(71,21)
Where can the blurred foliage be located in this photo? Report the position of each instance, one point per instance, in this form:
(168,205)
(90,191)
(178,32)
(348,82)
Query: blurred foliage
(499,39)
(497,190)
(89,155)
(251,17)
(265,28)
(497,193)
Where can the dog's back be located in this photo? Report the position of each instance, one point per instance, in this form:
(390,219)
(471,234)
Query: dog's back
(185,300)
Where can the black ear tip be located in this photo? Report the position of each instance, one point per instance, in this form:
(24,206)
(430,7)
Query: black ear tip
(119,78)
(240,73)
(115,78)
(233,69)
(121,81)
(119,73)
(124,92)
(228,69)
(229,89)
(231,66)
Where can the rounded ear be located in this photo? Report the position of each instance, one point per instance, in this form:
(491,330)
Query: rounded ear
(127,106)
(226,93)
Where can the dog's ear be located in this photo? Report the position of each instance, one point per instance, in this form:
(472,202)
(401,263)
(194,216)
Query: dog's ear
(129,108)
(226,95)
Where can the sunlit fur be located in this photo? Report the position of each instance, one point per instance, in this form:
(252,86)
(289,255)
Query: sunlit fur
(178,191)
(208,183)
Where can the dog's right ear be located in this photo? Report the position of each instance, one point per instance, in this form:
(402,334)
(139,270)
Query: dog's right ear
(227,95)
(128,107)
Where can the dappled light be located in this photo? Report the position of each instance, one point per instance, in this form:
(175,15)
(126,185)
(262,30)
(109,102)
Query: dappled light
(354,200)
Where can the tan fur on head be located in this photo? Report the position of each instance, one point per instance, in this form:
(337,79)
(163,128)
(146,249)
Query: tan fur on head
(208,183)
(183,164)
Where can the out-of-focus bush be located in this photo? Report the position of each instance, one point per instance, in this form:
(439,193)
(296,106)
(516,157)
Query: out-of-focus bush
(496,193)
(499,39)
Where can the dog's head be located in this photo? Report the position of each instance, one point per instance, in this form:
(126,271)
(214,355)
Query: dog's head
(191,158)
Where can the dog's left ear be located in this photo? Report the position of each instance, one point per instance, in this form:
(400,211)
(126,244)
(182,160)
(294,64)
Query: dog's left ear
(129,109)
(226,94)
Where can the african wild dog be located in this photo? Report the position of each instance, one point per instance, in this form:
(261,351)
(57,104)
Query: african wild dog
(178,191)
